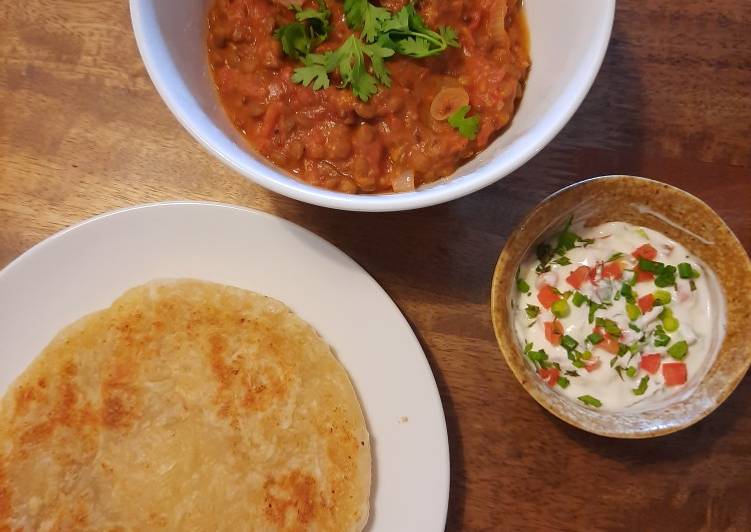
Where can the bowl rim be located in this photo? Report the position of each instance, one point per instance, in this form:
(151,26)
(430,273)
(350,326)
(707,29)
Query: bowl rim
(496,299)
(263,173)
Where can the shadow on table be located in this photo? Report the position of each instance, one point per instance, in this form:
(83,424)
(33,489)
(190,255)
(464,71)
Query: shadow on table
(694,441)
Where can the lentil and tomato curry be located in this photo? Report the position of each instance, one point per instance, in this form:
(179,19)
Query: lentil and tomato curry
(358,96)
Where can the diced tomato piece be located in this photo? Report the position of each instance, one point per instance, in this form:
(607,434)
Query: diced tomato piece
(592,366)
(549,375)
(546,296)
(554,332)
(643,277)
(675,373)
(646,303)
(577,277)
(650,363)
(608,343)
(612,270)
(645,252)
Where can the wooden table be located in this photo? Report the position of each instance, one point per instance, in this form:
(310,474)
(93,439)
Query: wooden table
(82,131)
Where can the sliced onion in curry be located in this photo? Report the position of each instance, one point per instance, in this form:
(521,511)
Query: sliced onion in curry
(447,102)
(404,182)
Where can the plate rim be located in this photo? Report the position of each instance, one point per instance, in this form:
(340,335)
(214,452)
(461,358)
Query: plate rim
(445,444)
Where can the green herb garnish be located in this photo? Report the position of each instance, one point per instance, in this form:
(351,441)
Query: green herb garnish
(678,350)
(686,271)
(639,390)
(631,371)
(610,326)
(666,277)
(522,286)
(569,343)
(595,338)
(563,382)
(310,29)
(579,299)
(563,261)
(646,265)
(532,311)
(560,308)
(589,400)
(382,34)
(660,338)
(615,256)
(466,126)
(632,311)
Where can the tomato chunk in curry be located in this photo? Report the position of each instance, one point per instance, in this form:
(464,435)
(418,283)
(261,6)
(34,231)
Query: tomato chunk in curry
(399,139)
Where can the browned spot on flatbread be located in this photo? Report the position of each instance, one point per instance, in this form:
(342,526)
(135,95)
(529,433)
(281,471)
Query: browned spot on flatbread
(292,500)
(68,410)
(5,497)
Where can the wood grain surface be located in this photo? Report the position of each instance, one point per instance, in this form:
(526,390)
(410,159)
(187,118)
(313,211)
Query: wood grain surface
(82,131)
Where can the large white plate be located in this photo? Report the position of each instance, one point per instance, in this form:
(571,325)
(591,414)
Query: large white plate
(86,267)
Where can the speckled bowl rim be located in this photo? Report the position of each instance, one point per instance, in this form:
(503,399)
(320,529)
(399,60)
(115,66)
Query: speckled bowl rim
(606,423)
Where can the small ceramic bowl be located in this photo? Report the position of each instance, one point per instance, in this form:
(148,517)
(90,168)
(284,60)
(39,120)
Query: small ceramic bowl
(683,218)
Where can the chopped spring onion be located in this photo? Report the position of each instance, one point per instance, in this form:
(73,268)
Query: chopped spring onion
(666,277)
(651,266)
(632,311)
(628,293)
(522,286)
(563,382)
(568,343)
(579,299)
(589,400)
(586,355)
(532,311)
(662,297)
(669,322)
(631,371)
(595,338)
(563,261)
(610,326)
(560,308)
(686,271)
(660,338)
(634,327)
(678,350)
(639,390)
(615,256)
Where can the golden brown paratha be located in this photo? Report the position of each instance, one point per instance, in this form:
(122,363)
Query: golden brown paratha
(184,406)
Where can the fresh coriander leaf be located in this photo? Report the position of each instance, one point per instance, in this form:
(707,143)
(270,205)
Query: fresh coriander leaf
(563,382)
(295,39)
(563,261)
(313,76)
(615,256)
(532,311)
(377,54)
(449,35)
(467,126)
(318,20)
(572,373)
(366,17)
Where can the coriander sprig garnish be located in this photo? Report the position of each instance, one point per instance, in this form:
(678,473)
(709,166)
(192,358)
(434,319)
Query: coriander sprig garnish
(382,34)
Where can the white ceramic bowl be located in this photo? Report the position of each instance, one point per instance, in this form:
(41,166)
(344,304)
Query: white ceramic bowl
(568,42)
